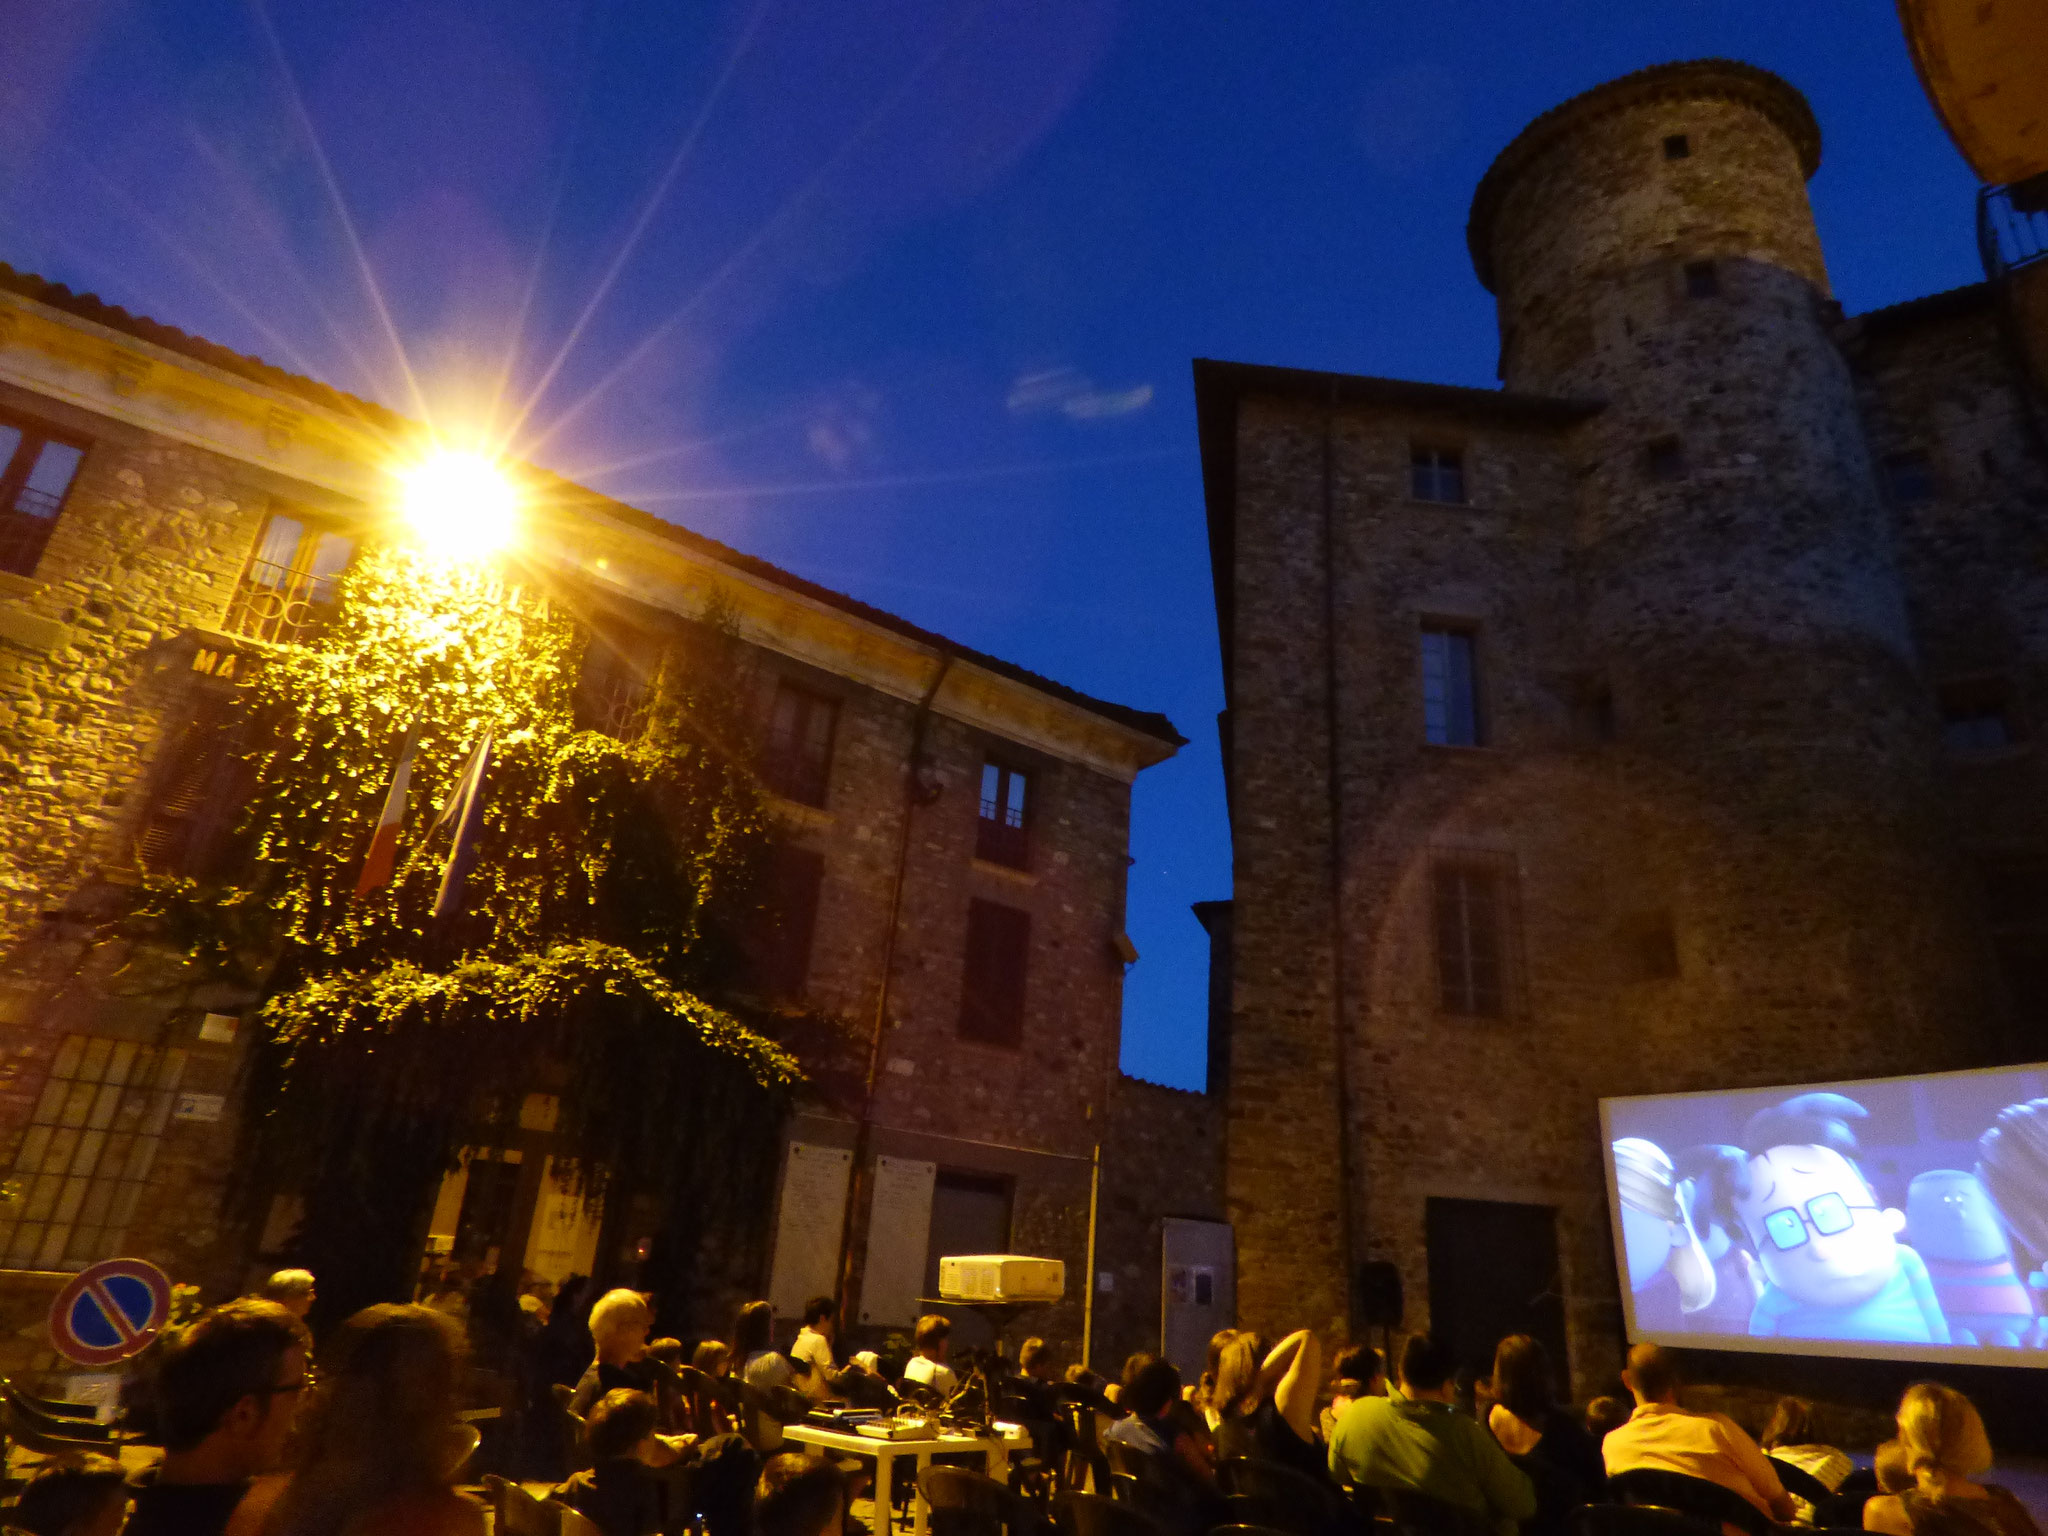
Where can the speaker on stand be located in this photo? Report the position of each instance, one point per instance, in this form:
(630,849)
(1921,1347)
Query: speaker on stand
(1378,1303)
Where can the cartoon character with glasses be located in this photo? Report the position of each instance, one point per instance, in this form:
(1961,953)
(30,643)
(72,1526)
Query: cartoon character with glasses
(1830,1253)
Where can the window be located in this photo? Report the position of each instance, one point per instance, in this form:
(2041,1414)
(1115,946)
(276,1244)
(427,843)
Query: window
(1649,942)
(1450,693)
(1665,459)
(778,951)
(1702,280)
(1436,474)
(1677,147)
(1976,714)
(798,762)
(1001,834)
(1910,476)
(992,990)
(36,471)
(198,790)
(86,1156)
(611,690)
(1471,937)
(293,580)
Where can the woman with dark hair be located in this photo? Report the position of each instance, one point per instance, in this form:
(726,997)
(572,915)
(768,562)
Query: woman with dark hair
(1550,1445)
(1203,1393)
(767,1379)
(383,1445)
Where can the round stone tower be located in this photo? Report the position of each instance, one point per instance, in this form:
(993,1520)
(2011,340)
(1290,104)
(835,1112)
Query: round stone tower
(1651,247)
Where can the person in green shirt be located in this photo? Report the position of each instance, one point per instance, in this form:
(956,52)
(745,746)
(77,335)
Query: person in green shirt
(1418,1441)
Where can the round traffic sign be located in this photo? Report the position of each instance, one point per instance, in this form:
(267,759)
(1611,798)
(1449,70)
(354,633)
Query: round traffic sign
(110,1311)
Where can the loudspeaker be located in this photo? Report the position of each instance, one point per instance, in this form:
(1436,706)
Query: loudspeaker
(1379,1294)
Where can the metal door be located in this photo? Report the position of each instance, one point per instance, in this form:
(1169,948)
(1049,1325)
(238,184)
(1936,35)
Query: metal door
(1197,1289)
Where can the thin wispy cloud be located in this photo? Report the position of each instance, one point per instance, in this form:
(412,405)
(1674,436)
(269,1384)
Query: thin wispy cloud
(1072,394)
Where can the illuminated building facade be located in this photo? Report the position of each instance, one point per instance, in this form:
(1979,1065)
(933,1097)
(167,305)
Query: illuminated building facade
(954,829)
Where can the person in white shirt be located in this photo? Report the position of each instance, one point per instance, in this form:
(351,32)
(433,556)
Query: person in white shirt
(813,1348)
(928,1366)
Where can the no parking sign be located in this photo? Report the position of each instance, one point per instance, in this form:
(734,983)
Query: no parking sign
(110,1311)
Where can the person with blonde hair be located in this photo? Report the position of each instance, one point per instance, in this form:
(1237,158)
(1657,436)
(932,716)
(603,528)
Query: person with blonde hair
(619,1324)
(291,1289)
(383,1446)
(1946,1450)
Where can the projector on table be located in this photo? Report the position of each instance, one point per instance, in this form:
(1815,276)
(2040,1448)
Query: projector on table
(1001,1277)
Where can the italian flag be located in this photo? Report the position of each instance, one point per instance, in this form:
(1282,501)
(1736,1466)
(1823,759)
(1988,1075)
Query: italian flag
(383,855)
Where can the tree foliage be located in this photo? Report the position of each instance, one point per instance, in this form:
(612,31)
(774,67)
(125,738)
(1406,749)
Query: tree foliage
(577,964)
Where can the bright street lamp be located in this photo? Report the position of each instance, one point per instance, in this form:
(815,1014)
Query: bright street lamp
(461,505)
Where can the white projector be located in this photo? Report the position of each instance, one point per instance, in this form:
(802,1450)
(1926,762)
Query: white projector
(1001,1277)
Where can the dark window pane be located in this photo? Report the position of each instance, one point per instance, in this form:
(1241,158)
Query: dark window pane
(1436,474)
(1666,459)
(1910,476)
(778,952)
(1677,147)
(36,472)
(1001,832)
(1450,703)
(1701,280)
(1470,940)
(1976,715)
(992,986)
(798,761)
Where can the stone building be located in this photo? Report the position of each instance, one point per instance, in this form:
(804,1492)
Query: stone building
(950,878)
(1662,720)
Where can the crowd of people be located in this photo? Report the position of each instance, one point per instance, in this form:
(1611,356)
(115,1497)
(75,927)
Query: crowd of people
(263,1436)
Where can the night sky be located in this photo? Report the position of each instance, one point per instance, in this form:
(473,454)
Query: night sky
(899,294)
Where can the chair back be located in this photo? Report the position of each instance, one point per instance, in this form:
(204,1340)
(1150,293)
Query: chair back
(1694,1496)
(22,1429)
(1285,1498)
(1636,1520)
(1799,1482)
(1419,1514)
(51,1407)
(1087,1514)
(964,1502)
(1093,1465)
(515,1512)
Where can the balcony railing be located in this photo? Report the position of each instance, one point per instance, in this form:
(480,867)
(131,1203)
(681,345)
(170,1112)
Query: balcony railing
(2012,226)
(281,604)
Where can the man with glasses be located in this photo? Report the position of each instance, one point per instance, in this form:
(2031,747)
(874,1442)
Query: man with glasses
(226,1391)
(1828,1249)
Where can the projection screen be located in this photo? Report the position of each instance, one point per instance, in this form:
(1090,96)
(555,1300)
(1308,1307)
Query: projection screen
(1901,1218)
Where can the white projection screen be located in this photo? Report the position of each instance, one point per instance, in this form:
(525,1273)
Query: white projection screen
(1899,1218)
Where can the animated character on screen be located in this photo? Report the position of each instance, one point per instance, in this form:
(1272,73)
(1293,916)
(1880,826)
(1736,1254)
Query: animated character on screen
(2012,1164)
(1829,1252)
(1954,1227)
(1707,1177)
(1668,1271)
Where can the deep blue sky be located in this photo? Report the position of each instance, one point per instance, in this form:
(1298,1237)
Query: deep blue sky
(912,311)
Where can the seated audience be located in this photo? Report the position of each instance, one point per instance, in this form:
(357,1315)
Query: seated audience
(1418,1442)
(767,1379)
(227,1389)
(1665,1437)
(799,1496)
(1890,1469)
(619,1325)
(1789,1437)
(622,1491)
(88,1498)
(927,1367)
(811,1354)
(1179,1482)
(291,1289)
(1268,1405)
(1361,1371)
(382,1444)
(1946,1450)
(1604,1415)
(713,1404)
(1548,1444)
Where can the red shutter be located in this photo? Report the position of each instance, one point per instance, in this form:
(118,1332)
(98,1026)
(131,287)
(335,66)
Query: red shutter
(992,988)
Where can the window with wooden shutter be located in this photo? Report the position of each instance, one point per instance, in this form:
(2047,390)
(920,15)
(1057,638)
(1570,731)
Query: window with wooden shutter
(992,990)
(198,791)
(778,951)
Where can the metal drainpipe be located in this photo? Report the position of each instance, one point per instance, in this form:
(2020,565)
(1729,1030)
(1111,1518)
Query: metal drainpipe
(1333,767)
(864,1133)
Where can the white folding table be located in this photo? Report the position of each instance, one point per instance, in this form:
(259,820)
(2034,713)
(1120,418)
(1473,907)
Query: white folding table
(995,1448)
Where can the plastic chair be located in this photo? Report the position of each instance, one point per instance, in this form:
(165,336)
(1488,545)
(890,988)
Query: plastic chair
(1418,1514)
(966,1503)
(63,1428)
(1799,1482)
(1695,1496)
(515,1512)
(51,1407)
(1087,1463)
(18,1426)
(1637,1520)
(1088,1514)
(1289,1500)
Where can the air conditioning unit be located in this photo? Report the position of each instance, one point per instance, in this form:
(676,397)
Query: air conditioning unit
(1001,1277)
